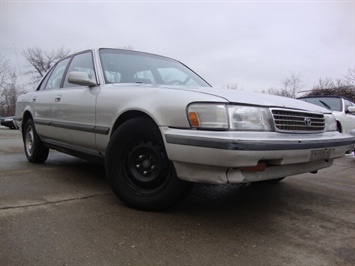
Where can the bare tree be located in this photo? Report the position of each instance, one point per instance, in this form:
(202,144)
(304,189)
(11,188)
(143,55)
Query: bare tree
(5,73)
(291,85)
(329,84)
(272,90)
(42,61)
(9,90)
(325,84)
(345,91)
(8,97)
(232,86)
(350,77)
(344,88)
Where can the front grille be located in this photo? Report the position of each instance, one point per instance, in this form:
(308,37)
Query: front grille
(297,121)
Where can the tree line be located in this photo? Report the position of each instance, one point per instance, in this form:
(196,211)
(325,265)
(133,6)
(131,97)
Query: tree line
(293,85)
(40,61)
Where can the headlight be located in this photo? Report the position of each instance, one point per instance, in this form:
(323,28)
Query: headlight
(208,116)
(233,117)
(249,118)
(330,122)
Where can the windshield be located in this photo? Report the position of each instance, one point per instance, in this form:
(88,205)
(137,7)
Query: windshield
(333,104)
(122,66)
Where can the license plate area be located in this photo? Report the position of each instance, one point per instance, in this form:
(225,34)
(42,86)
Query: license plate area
(319,155)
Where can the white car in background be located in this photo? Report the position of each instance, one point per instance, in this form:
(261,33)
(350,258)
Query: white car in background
(343,109)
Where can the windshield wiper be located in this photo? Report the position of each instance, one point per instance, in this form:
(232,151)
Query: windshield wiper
(325,104)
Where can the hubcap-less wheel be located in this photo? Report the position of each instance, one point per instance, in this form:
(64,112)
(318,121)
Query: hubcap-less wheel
(29,140)
(147,169)
(138,167)
(35,150)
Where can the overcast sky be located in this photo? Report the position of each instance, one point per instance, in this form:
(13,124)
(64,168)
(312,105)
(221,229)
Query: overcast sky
(254,44)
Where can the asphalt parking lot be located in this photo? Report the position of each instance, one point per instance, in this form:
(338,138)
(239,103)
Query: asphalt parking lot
(64,213)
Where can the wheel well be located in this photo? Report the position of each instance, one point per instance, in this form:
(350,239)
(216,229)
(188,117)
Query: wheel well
(339,128)
(27,115)
(128,116)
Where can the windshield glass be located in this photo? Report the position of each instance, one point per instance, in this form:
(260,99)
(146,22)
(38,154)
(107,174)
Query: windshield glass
(333,104)
(123,66)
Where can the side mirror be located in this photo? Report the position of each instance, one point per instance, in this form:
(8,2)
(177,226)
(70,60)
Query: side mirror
(351,109)
(80,78)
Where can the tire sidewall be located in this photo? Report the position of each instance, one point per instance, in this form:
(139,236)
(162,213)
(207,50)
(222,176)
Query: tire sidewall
(40,152)
(136,129)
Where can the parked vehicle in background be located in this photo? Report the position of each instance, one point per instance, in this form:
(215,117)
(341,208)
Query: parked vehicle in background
(158,127)
(352,132)
(343,109)
(8,122)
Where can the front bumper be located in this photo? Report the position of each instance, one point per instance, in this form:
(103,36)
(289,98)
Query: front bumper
(223,156)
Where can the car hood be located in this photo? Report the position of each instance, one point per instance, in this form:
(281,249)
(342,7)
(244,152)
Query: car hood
(257,99)
(233,96)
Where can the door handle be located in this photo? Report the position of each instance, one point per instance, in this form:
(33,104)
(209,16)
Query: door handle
(34,98)
(58,98)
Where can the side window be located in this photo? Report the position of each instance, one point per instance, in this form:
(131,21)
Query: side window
(174,76)
(44,82)
(56,76)
(112,77)
(82,63)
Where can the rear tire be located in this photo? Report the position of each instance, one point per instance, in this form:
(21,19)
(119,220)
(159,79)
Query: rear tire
(138,168)
(35,150)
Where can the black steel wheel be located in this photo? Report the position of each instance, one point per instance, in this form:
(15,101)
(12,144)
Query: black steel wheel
(147,168)
(35,151)
(138,168)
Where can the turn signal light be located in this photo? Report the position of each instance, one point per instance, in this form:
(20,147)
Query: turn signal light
(194,119)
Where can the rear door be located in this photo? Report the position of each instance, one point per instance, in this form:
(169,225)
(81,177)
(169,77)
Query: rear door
(43,99)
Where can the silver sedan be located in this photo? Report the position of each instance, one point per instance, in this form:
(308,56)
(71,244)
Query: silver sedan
(158,127)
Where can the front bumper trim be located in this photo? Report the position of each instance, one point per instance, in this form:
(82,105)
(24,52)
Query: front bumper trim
(255,145)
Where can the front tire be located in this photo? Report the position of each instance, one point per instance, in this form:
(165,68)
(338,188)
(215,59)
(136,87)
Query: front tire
(35,150)
(138,169)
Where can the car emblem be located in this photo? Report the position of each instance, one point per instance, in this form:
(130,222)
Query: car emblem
(307,121)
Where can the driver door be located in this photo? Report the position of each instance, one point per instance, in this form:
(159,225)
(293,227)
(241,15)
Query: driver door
(74,108)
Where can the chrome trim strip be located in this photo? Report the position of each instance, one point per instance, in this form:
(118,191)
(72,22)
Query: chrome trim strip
(71,126)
